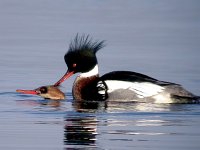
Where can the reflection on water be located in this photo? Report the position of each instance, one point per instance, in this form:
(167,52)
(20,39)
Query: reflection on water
(102,125)
(89,106)
(115,106)
(81,127)
(94,124)
(80,130)
(50,103)
(144,107)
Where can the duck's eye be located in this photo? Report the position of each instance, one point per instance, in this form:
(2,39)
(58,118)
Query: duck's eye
(74,65)
(43,90)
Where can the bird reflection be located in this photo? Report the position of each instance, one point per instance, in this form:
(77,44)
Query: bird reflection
(89,106)
(113,106)
(80,129)
(46,102)
(51,103)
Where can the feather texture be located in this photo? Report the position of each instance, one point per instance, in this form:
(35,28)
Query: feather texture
(85,42)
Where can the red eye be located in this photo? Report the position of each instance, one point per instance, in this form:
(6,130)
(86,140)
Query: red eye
(74,65)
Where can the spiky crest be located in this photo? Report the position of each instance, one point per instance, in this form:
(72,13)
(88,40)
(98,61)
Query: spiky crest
(85,42)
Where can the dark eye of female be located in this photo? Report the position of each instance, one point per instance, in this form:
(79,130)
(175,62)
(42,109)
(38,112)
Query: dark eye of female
(43,90)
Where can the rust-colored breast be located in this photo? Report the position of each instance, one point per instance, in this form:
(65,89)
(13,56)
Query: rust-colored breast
(84,88)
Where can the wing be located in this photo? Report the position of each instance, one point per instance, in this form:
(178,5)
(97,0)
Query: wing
(133,77)
(141,85)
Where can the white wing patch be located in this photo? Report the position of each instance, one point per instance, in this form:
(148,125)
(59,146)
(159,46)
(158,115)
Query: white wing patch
(142,90)
(101,88)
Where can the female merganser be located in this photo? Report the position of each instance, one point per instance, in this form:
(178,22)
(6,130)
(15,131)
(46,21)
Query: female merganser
(116,85)
(47,92)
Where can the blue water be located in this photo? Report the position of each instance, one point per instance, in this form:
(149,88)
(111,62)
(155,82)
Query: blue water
(155,37)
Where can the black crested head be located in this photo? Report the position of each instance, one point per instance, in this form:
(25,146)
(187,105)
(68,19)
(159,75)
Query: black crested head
(81,56)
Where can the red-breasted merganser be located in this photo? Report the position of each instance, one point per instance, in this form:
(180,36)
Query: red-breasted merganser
(116,85)
(47,92)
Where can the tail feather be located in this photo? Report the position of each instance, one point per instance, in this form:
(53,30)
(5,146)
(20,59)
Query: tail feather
(186,99)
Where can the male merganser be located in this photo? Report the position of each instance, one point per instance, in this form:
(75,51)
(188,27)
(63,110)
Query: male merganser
(116,85)
(47,92)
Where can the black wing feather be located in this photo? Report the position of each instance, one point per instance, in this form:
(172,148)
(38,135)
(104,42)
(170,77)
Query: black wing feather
(133,77)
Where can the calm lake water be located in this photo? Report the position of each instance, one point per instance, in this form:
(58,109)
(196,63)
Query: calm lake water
(155,37)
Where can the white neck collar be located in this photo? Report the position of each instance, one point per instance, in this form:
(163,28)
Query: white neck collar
(93,72)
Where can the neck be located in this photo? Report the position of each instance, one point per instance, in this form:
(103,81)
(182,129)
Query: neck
(93,72)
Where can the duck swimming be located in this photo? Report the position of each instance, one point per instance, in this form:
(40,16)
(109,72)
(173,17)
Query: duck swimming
(117,85)
(47,92)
